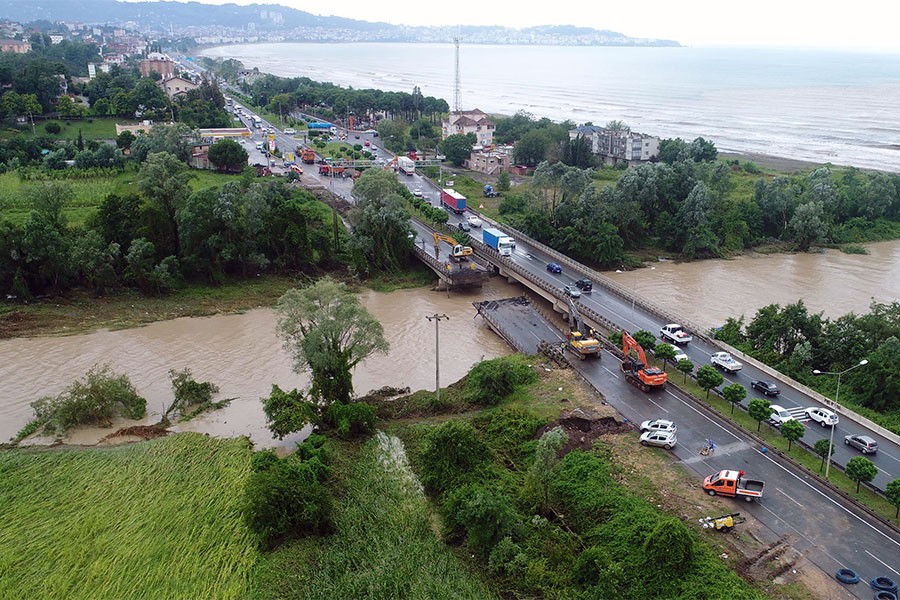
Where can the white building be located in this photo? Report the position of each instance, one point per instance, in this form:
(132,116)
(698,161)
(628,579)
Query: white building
(469,121)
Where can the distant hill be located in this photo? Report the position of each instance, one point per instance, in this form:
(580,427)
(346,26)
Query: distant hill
(272,22)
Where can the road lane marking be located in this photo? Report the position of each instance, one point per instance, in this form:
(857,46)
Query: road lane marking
(801,534)
(882,562)
(783,493)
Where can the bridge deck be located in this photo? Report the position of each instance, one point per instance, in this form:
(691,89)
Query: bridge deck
(519,323)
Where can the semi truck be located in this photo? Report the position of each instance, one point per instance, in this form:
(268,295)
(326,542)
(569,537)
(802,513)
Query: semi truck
(406,165)
(497,240)
(489,191)
(318,125)
(453,200)
(732,483)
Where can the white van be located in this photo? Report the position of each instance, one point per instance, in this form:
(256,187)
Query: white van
(259,145)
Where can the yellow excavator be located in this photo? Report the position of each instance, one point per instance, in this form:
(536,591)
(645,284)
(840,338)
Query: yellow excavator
(458,252)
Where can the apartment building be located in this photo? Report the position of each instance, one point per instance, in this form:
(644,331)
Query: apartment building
(469,121)
(618,145)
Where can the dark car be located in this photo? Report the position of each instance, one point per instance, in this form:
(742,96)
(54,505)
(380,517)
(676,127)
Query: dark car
(554,268)
(463,226)
(863,443)
(766,387)
(585,285)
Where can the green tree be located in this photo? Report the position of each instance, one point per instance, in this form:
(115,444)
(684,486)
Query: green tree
(95,260)
(228,156)
(759,410)
(531,147)
(458,147)
(124,140)
(163,180)
(665,353)
(380,240)
(792,431)
(328,332)
(503,182)
(541,472)
(860,469)
(702,150)
(809,225)
(685,366)
(735,394)
(491,381)
(708,378)
(878,385)
(287,412)
(892,493)
(669,547)
(451,452)
(821,448)
(646,340)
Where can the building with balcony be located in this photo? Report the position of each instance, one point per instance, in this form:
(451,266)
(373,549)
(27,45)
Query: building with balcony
(490,161)
(618,145)
(469,121)
(16,46)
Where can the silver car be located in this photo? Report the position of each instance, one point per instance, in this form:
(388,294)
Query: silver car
(663,439)
(863,443)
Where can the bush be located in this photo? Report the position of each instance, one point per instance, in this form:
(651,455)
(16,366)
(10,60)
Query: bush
(452,452)
(484,515)
(286,498)
(101,396)
(506,558)
(354,418)
(52,127)
(189,393)
(491,381)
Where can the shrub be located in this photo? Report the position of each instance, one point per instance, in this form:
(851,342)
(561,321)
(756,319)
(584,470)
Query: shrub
(490,381)
(287,498)
(354,418)
(97,399)
(189,393)
(669,548)
(506,558)
(452,452)
(52,127)
(485,515)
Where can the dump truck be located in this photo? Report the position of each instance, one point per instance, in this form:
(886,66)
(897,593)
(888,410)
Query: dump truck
(406,165)
(453,200)
(732,483)
(638,371)
(498,240)
(307,155)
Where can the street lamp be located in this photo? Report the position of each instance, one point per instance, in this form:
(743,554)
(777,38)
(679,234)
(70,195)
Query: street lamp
(437,357)
(837,398)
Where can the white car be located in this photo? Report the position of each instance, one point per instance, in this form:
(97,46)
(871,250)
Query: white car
(679,356)
(780,415)
(417,193)
(290,131)
(474,221)
(659,425)
(663,439)
(822,416)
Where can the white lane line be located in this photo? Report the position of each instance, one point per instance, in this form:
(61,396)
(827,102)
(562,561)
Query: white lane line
(703,415)
(801,534)
(788,497)
(831,500)
(659,406)
(882,562)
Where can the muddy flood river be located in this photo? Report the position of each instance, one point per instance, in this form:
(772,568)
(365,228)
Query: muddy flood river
(243,356)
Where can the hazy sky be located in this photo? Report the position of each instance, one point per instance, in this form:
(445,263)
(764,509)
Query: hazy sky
(863,24)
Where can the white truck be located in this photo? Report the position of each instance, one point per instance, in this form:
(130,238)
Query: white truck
(406,165)
(675,333)
(725,362)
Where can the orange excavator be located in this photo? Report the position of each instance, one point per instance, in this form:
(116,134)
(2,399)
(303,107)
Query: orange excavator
(637,371)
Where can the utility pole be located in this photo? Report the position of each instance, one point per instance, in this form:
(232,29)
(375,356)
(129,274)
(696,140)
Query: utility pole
(437,355)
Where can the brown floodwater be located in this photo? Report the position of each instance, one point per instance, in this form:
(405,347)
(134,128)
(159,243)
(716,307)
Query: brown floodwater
(243,356)
(708,292)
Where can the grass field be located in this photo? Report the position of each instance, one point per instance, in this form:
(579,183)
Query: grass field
(95,128)
(87,194)
(159,519)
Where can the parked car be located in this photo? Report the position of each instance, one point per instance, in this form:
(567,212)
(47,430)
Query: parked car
(822,416)
(679,356)
(766,387)
(554,268)
(863,443)
(663,439)
(474,221)
(571,290)
(585,285)
(463,226)
(780,415)
(659,425)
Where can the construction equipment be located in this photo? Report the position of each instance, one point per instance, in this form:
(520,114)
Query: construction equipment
(458,253)
(391,165)
(638,371)
(725,523)
(308,156)
(581,339)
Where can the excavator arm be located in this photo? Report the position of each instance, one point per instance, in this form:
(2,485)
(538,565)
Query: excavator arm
(458,249)
(639,372)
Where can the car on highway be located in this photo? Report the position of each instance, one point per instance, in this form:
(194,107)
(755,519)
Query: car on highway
(680,356)
(290,131)
(571,290)
(417,193)
(822,416)
(367,144)
(585,285)
(766,387)
(463,226)
(554,268)
(658,425)
(474,221)
(780,415)
(863,443)
(663,439)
